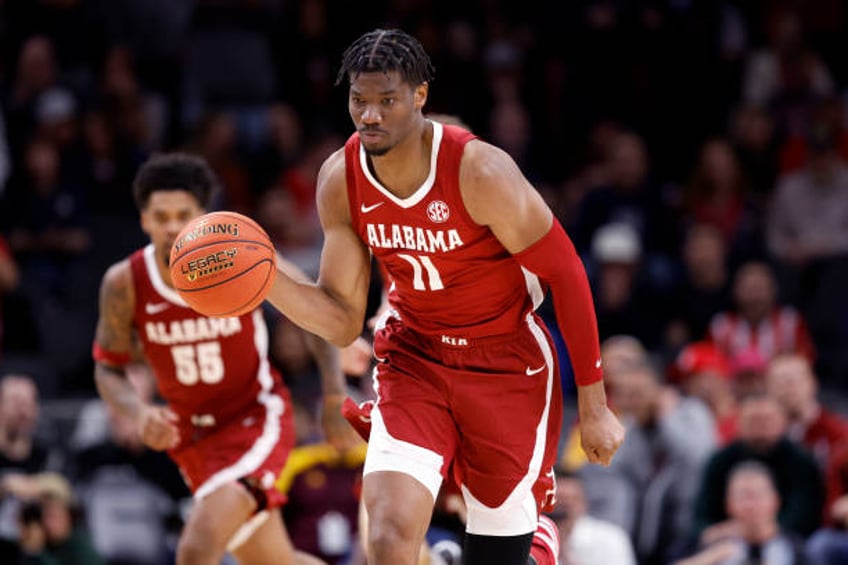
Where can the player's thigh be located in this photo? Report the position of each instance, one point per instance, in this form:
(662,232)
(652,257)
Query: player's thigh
(215,518)
(510,420)
(270,544)
(412,428)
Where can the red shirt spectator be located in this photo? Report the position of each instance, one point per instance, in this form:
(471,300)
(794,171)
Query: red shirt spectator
(790,379)
(704,372)
(758,321)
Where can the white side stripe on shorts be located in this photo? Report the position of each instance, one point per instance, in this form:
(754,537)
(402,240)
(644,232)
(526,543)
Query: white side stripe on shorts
(518,513)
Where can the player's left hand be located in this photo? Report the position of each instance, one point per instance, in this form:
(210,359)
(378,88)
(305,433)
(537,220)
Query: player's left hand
(601,434)
(337,431)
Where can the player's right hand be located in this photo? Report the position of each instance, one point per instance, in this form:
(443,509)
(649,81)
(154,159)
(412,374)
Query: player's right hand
(158,429)
(356,358)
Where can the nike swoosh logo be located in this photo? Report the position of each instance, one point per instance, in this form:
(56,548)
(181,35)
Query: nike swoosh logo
(365,209)
(530,372)
(152,309)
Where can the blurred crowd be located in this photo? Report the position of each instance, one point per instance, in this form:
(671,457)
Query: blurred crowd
(695,150)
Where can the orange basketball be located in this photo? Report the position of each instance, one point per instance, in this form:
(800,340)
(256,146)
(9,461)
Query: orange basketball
(223,264)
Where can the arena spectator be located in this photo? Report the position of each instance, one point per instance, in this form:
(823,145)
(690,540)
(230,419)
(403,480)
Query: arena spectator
(702,371)
(668,439)
(584,538)
(753,534)
(762,437)
(791,380)
(22,455)
(50,527)
(717,194)
(757,320)
(703,289)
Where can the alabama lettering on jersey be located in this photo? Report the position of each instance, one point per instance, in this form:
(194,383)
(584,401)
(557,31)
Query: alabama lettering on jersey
(448,272)
(208,369)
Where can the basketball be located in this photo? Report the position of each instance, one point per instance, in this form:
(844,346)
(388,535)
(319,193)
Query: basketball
(223,264)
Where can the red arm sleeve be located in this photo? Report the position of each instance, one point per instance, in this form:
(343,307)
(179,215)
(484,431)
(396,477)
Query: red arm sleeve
(555,261)
(112,358)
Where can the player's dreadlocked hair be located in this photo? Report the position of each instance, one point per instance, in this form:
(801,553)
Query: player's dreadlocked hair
(384,50)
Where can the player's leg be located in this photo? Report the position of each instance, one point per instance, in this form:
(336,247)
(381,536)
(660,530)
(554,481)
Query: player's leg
(505,464)
(423,554)
(403,470)
(399,509)
(412,441)
(213,521)
(545,548)
(269,543)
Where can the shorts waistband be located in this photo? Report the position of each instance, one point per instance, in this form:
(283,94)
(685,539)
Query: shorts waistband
(458,340)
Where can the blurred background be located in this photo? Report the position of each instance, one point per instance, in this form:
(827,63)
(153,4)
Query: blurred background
(695,151)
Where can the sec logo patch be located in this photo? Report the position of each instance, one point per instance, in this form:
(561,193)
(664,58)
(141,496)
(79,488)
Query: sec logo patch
(438,212)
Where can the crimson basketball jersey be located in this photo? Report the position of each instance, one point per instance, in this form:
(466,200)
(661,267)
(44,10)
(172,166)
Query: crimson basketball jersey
(449,273)
(209,370)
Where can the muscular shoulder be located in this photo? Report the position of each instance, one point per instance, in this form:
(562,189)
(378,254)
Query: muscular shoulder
(117,305)
(118,277)
(333,168)
(116,288)
(490,182)
(332,187)
(483,164)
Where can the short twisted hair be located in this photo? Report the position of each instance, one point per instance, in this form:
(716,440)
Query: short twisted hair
(175,171)
(384,50)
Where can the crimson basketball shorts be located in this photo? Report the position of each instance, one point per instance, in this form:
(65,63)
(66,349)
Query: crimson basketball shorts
(487,410)
(252,448)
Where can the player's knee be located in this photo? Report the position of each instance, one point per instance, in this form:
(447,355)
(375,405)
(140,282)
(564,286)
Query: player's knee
(389,533)
(191,553)
(195,548)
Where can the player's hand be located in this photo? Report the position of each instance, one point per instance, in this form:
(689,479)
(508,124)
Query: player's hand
(338,432)
(356,358)
(601,434)
(158,428)
(600,431)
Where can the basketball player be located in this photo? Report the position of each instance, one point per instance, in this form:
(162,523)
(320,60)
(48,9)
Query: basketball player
(467,377)
(228,421)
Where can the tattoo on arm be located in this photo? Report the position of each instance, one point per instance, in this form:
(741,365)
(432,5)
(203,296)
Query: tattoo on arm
(115,333)
(117,301)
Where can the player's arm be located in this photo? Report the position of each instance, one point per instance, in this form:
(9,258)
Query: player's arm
(334,307)
(498,195)
(113,350)
(113,341)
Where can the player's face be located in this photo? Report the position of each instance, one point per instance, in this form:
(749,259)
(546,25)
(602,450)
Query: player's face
(166,214)
(384,109)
